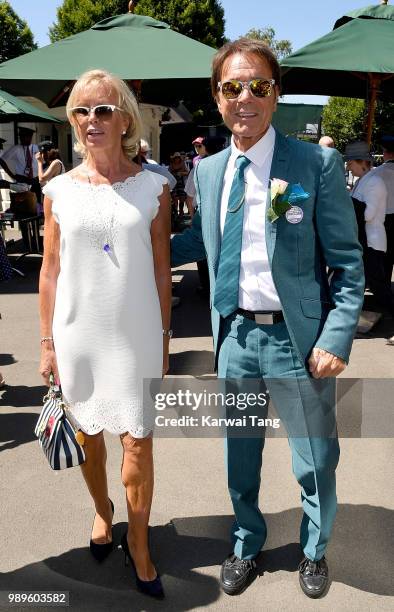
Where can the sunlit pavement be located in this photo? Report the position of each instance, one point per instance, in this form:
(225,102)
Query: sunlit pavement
(47,516)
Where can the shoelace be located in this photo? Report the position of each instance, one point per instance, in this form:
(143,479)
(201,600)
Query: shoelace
(241,562)
(313,568)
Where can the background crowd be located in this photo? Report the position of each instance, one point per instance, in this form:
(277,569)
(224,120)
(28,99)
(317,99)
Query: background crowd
(370,181)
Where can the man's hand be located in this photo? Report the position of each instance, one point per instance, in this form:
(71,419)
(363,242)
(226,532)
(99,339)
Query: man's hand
(323,364)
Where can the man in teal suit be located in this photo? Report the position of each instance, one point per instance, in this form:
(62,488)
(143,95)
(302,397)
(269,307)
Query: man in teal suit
(276,314)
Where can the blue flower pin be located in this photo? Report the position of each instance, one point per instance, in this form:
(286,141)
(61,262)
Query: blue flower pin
(283,197)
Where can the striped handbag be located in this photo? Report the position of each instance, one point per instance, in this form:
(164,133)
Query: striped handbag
(58,437)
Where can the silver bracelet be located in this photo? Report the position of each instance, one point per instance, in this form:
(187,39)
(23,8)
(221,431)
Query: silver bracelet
(168,332)
(45,338)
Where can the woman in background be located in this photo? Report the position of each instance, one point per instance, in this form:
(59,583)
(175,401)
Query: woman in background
(49,165)
(370,193)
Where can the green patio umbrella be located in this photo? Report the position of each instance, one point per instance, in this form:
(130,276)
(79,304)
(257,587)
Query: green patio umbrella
(134,47)
(14,109)
(373,11)
(355,60)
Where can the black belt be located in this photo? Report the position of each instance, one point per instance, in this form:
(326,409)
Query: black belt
(263,317)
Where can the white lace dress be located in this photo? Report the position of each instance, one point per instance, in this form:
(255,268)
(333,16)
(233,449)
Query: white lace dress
(107,326)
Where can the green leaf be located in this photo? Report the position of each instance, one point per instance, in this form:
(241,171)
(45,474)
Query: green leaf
(271,215)
(280,207)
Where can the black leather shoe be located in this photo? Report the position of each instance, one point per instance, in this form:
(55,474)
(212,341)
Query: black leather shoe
(313,577)
(236,574)
(101,551)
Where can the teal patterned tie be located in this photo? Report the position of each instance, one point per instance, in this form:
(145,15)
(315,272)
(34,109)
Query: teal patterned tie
(227,280)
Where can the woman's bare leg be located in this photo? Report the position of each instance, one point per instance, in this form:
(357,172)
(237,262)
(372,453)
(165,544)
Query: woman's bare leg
(137,477)
(95,475)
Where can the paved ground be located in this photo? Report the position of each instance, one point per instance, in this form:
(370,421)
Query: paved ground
(47,516)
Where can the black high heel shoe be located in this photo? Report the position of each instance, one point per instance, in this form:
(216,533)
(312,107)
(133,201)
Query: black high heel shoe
(153,588)
(101,551)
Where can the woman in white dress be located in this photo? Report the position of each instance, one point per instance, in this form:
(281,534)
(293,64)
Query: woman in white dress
(105,302)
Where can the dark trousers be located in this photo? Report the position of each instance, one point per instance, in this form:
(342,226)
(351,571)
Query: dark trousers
(203,274)
(389,261)
(375,274)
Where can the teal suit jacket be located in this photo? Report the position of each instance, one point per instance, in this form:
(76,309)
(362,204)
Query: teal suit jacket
(318,312)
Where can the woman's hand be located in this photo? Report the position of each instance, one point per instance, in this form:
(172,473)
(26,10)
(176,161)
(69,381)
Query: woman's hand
(166,359)
(39,157)
(48,364)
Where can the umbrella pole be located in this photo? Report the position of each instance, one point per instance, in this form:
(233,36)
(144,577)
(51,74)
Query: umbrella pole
(374,83)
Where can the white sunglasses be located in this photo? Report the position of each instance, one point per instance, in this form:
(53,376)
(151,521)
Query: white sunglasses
(101,111)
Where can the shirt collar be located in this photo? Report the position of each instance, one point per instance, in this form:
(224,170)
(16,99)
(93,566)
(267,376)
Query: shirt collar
(260,151)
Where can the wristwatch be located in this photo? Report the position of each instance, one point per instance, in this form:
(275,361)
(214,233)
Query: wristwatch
(168,332)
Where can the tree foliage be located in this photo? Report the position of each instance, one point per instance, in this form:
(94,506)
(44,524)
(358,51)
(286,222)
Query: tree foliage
(16,38)
(202,20)
(75,16)
(344,121)
(384,121)
(281,48)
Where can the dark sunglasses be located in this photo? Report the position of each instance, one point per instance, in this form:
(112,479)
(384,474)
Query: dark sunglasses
(261,88)
(101,111)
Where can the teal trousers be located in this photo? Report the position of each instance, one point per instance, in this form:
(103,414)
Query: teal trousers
(307,409)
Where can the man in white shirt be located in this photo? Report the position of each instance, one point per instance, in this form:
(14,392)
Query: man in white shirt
(19,160)
(327,141)
(386,172)
(273,215)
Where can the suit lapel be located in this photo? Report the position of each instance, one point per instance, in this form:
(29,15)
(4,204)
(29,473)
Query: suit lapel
(217,190)
(279,169)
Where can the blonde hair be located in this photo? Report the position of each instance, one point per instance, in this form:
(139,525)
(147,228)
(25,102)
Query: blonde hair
(126,101)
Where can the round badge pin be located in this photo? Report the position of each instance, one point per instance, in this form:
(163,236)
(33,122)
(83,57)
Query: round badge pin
(295,214)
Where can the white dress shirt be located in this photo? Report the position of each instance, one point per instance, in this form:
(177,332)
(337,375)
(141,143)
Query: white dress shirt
(386,172)
(371,189)
(256,286)
(16,158)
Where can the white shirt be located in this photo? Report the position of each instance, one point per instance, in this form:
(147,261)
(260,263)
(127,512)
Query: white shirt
(15,157)
(190,187)
(371,189)
(256,286)
(386,172)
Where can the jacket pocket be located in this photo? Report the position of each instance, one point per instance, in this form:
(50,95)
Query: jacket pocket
(315,309)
